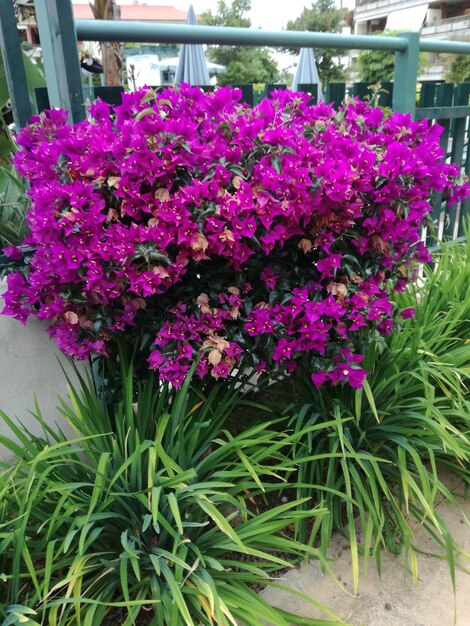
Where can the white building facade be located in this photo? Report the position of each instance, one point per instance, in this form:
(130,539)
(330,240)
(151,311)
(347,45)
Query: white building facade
(447,19)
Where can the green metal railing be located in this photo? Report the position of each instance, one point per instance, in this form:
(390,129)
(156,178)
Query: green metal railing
(59,33)
(13,63)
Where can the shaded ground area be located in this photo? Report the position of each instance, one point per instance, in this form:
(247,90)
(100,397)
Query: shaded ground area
(395,599)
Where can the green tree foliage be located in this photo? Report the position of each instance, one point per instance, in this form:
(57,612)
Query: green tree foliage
(245,65)
(458,68)
(233,14)
(375,66)
(323,17)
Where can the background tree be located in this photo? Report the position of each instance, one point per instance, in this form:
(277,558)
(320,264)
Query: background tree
(458,67)
(377,66)
(112,51)
(245,65)
(323,17)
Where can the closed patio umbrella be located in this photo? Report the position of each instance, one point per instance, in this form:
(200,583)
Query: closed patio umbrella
(192,66)
(306,72)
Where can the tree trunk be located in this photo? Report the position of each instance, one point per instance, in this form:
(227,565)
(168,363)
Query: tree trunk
(112,51)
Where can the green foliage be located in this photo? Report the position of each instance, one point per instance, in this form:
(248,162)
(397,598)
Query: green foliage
(13,199)
(379,467)
(34,78)
(4,95)
(377,66)
(18,614)
(245,64)
(458,68)
(233,14)
(323,16)
(148,509)
(253,65)
(13,204)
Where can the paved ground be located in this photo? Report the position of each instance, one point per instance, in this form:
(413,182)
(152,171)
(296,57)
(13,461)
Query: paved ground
(395,600)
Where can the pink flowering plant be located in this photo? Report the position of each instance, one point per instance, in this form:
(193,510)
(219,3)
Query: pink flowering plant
(198,229)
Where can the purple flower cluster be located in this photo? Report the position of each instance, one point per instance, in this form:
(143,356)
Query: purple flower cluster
(237,237)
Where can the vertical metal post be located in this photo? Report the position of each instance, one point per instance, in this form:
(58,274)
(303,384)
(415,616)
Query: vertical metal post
(456,223)
(465,206)
(406,75)
(61,64)
(335,94)
(13,64)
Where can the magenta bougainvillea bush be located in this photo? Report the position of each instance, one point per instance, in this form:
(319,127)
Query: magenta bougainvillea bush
(205,231)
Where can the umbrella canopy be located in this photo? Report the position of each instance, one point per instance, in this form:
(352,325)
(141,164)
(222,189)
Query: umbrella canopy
(192,66)
(306,72)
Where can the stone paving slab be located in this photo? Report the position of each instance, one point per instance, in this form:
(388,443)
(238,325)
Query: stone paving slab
(395,599)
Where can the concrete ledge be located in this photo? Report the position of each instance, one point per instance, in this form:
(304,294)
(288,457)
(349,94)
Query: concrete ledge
(29,366)
(395,599)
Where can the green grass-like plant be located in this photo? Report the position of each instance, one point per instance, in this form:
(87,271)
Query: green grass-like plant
(13,205)
(379,467)
(149,511)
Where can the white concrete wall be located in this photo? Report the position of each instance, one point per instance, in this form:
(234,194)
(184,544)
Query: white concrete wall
(457,28)
(29,366)
(372,9)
